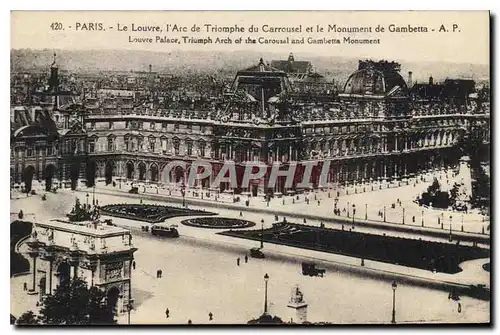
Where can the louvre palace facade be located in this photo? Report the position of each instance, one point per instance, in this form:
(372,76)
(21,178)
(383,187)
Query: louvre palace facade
(375,129)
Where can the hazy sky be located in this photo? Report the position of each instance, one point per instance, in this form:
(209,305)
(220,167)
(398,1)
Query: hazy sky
(468,44)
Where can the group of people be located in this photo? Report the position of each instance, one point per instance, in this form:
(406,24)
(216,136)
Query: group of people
(238,260)
(210,316)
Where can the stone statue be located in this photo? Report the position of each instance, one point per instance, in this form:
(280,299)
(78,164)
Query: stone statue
(34,233)
(296,297)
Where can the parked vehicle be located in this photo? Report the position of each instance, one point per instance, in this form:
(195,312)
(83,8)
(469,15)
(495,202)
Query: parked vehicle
(256,253)
(165,231)
(310,269)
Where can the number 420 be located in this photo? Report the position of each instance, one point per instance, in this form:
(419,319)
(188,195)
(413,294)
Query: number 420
(56,26)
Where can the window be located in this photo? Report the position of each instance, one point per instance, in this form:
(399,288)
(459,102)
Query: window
(152,142)
(176,126)
(29,151)
(189,127)
(139,124)
(128,143)
(110,125)
(92,145)
(127,124)
(50,150)
(176,146)
(189,144)
(92,125)
(140,143)
(164,126)
(152,126)
(164,144)
(111,144)
(202,148)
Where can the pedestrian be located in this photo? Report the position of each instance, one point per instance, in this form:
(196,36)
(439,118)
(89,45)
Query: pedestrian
(190,322)
(161,272)
(238,261)
(246,258)
(210,316)
(133,265)
(157,273)
(167,313)
(25,286)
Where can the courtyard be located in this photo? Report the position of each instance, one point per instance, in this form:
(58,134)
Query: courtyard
(201,275)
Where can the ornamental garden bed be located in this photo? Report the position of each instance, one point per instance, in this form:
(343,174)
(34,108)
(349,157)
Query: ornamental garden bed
(427,255)
(148,213)
(218,223)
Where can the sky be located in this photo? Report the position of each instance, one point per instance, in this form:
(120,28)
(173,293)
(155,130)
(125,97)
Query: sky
(469,43)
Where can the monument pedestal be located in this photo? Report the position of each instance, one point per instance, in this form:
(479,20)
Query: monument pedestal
(298,306)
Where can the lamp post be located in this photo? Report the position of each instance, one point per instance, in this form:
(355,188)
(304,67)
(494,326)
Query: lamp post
(353,213)
(422,218)
(450,239)
(183,192)
(262,234)
(403,215)
(384,213)
(93,196)
(87,196)
(394,287)
(348,209)
(366,211)
(266,279)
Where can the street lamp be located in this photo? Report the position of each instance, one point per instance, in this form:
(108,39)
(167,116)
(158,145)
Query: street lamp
(266,279)
(384,213)
(87,196)
(450,239)
(262,234)
(93,196)
(403,215)
(348,209)
(183,192)
(353,213)
(422,218)
(394,287)
(366,211)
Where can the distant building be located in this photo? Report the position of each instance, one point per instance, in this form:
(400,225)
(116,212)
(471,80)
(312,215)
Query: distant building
(294,69)
(48,144)
(307,84)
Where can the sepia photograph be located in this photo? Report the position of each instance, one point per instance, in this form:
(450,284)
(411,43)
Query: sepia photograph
(250,168)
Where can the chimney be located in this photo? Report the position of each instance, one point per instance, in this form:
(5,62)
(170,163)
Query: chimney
(410,83)
(431,80)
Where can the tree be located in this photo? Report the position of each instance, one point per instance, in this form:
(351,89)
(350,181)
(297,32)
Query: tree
(73,303)
(28,319)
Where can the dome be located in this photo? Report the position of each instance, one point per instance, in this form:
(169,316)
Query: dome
(375,79)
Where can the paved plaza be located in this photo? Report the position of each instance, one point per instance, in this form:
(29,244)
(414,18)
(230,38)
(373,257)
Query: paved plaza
(201,276)
(368,203)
